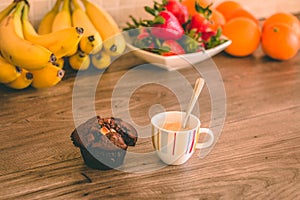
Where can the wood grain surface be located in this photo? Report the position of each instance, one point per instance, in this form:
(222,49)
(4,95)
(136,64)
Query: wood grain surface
(257,156)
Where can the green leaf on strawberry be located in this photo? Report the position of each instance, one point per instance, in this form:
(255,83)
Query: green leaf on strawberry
(215,40)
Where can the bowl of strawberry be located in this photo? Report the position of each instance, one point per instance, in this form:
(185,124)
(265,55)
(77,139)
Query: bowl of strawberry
(173,38)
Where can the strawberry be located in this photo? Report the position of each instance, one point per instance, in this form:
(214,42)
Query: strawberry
(143,33)
(177,9)
(167,27)
(208,34)
(143,39)
(199,23)
(171,47)
(214,39)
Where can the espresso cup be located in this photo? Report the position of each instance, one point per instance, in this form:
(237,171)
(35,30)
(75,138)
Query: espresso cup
(173,144)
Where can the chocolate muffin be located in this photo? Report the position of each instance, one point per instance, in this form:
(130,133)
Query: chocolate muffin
(103,141)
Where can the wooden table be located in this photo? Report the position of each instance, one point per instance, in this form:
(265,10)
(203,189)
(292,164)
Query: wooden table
(257,156)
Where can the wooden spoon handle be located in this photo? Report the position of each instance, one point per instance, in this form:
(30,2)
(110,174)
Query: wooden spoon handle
(196,92)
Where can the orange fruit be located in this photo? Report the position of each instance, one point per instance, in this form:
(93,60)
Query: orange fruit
(244,34)
(240,12)
(227,8)
(280,41)
(190,4)
(285,18)
(217,20)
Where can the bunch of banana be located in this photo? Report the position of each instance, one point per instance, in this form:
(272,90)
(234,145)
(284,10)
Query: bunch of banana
(91,41)
(17,50)
(28,58)
(113,41)
(60,42)
(100,30)
(84,35)
(96,20)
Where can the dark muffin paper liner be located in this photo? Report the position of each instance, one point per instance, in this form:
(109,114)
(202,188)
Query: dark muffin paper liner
(103,160)
(104,151)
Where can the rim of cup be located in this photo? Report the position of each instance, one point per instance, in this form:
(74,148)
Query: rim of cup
(155,122)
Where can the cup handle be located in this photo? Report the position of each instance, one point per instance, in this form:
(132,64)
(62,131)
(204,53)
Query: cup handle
(207,143)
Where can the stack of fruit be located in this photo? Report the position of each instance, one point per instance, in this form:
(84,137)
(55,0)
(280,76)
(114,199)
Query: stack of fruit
(204,23)
(36,58)
(172,20)
(101,38)
(279,37)
(22,62)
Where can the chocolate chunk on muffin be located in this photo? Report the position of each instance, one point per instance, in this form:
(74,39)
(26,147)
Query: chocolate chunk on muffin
(103,141)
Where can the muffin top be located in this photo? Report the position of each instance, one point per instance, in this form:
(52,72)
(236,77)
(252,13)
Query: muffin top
(104,133)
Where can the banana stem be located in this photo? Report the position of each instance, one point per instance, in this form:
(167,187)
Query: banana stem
(76,4)
(66,5)
(7,10)
(25,13)
(84,2)
(19,8)
(56,6)
(17,1)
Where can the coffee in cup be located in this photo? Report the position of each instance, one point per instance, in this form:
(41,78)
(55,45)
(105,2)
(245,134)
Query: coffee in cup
(173,144)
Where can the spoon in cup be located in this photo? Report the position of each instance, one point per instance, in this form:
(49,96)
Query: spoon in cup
(196,92)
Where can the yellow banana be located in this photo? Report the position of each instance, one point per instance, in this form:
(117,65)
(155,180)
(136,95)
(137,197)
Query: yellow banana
(47,77)
(59,42)
(45,25)
(18,51)
(62,19)
(7,10)
(17,20)
(72,51)
(79,61)
(91,41)
(23,81)
(8,72)
(113,41)
(101,60)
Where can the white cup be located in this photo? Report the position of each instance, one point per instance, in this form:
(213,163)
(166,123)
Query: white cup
(175,147)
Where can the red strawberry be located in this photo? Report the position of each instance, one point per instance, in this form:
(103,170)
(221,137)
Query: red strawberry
(208,34)
(143,33)
(173,48)
(144,39)
(199,23)
(178,9)
(167,27)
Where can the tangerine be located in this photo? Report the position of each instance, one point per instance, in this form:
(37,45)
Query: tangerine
(227,8)
(280,42)
(284,18)
(217,20)
(245,36)
(241,12)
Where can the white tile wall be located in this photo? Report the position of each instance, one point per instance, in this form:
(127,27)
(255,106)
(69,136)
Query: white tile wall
(121,9)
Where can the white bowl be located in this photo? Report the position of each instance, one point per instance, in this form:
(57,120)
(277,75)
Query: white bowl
(177,61)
